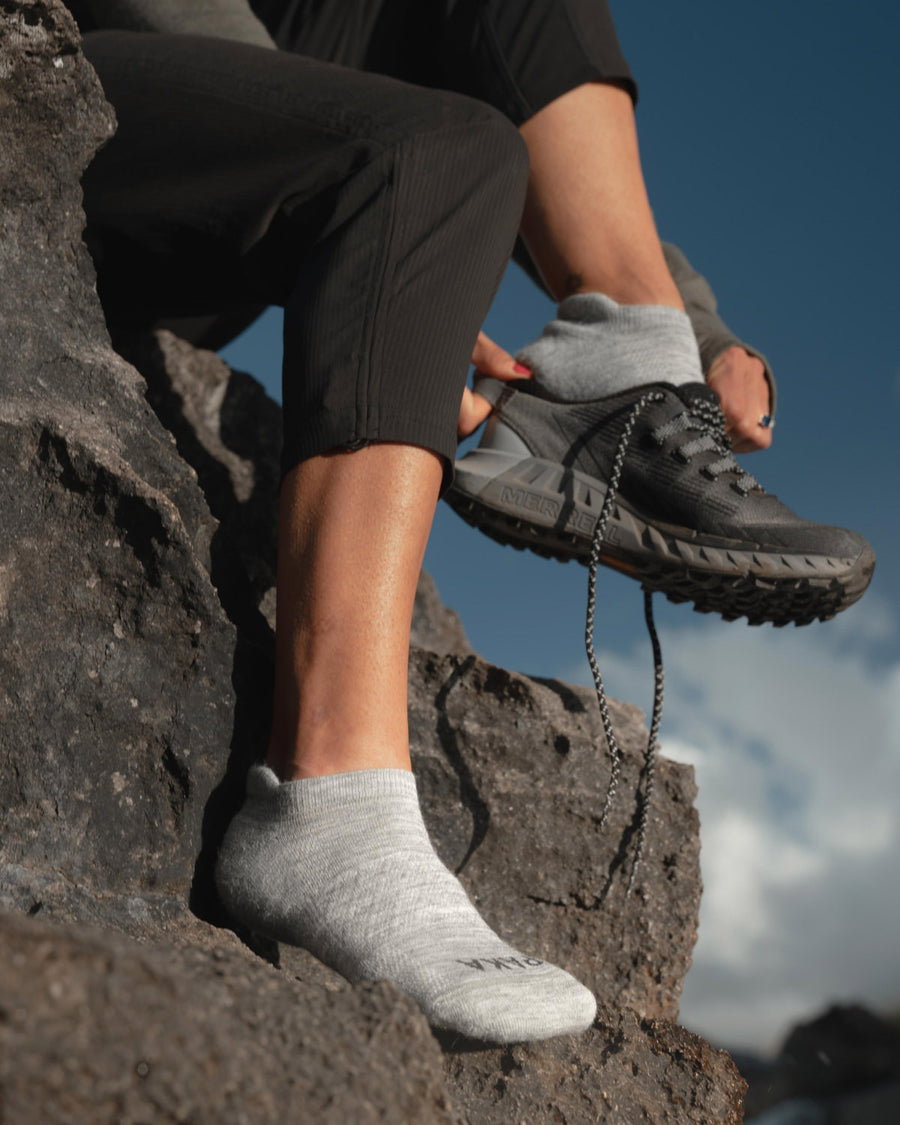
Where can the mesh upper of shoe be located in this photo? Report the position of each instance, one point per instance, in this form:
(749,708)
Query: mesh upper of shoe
(677,471)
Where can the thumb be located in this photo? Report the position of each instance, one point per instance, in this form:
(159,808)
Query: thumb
(489,359)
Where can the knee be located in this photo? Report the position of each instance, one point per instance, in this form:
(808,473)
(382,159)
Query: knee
(478,156)
(503,150)
(488,139)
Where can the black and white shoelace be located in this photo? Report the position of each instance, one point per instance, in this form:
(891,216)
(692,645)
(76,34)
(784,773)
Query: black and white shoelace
(705,419)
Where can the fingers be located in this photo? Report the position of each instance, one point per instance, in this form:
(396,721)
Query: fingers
(745,431)
(490,359)
(750,443)
(473,410)
(739,379)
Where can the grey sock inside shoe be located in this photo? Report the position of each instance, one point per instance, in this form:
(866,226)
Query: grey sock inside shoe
(597,347)
(343,866)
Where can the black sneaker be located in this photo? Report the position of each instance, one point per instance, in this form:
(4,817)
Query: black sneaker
(684,517)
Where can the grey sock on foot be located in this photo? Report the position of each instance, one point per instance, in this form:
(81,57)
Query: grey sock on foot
(343,866)
(597,347)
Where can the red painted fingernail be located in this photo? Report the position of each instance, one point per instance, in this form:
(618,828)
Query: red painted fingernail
(520,370)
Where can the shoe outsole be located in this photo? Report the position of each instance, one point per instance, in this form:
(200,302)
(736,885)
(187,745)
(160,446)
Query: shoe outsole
(553,512)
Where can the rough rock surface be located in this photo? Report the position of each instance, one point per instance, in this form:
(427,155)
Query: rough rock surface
(513,785)
(135,670)
(628,1071)
(96,1028)
(113,725)
(99,1029)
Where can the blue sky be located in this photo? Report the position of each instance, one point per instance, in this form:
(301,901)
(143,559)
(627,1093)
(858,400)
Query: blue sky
(768,137)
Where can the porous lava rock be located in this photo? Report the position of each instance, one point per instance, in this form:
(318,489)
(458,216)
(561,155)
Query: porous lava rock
(629,1070)
(114,710)
(95,1029)
(136,597)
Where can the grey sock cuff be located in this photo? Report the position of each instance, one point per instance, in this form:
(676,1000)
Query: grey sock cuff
(597,347)
(334,791)
(597,309)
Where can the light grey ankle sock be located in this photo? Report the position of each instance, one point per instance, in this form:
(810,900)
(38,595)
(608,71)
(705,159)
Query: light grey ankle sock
(597,347)
(343,866)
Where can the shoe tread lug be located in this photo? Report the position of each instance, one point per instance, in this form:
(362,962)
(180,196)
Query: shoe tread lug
(672,566)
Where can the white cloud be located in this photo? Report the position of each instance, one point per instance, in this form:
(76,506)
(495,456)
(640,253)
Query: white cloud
(795,737)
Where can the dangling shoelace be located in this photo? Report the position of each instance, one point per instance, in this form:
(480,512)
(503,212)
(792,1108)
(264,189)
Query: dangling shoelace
(707,418)
(612,742)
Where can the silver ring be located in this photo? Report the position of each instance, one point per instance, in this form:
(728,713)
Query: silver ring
(766,421)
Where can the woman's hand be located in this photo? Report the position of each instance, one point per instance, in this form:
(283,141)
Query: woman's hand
(489,359)
(739,379)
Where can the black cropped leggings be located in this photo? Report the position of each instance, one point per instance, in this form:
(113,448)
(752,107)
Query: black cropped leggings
(380,214)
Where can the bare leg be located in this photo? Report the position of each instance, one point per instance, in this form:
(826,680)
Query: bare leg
(354,526)
(336,857)
(587,220)
(353,529)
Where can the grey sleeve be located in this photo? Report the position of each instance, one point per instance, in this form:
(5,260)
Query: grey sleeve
(226,19)
(713,334)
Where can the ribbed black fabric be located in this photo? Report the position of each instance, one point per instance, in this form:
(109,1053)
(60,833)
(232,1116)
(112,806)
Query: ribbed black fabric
(380,215)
